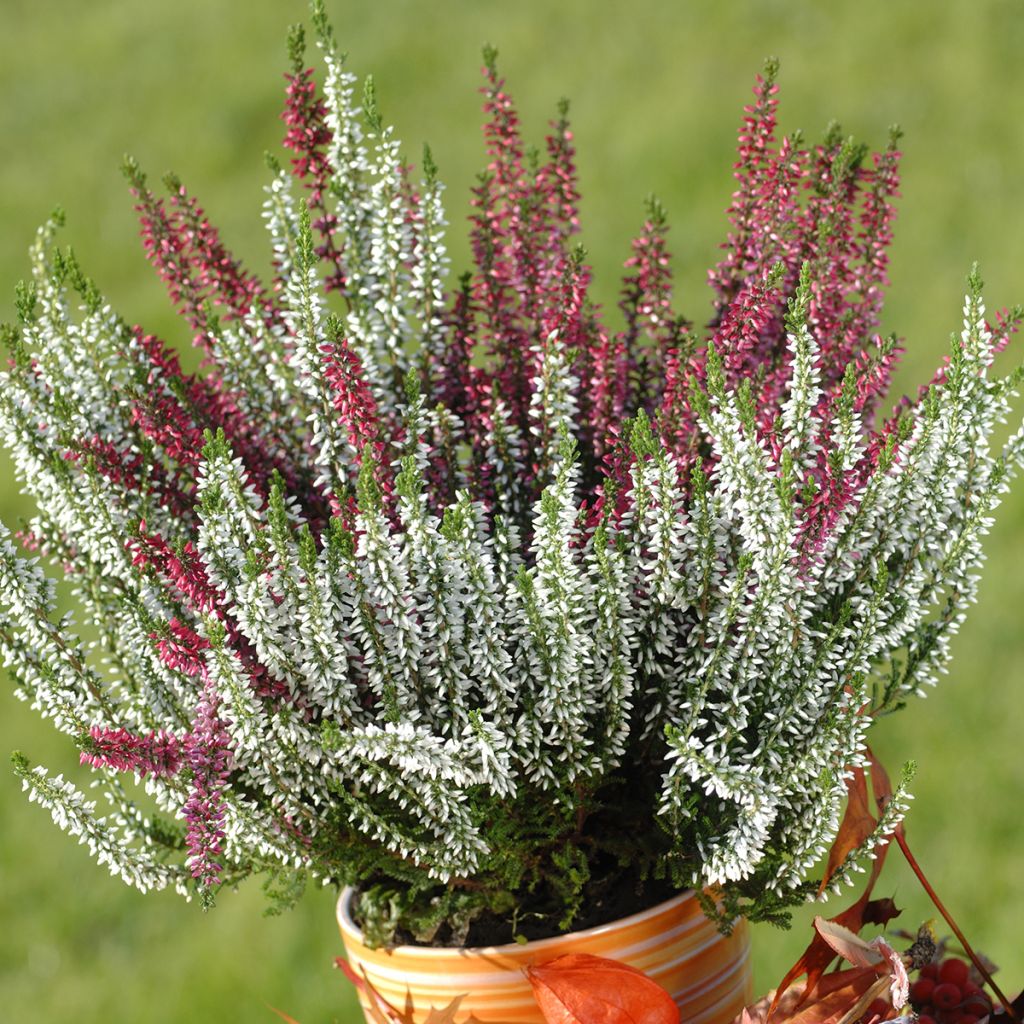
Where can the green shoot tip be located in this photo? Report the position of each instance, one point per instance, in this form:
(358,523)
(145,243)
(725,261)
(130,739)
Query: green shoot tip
(131,170)
(429,166)
(370,109)
(974,281)
(324,31)
(297,48)
(655,211)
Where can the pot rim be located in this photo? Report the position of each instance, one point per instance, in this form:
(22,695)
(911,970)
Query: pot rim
(350,928)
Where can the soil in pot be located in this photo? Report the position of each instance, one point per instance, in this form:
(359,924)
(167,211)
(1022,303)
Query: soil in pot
(610,896)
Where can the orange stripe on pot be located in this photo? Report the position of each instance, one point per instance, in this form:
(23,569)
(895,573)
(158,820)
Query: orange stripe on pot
(707,974)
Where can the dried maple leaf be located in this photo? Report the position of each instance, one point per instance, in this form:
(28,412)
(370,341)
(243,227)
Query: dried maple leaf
(382,1012)
(881,787)
(880,911)
(446,1015)
(818,955)
(847,944)
(843,997)
(584,989)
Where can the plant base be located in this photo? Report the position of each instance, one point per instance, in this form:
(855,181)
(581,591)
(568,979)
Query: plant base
(707,974)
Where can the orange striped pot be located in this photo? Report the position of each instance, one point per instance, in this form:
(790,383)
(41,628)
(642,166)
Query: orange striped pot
(708,975)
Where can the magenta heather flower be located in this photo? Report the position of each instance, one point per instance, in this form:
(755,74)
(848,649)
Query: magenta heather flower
(186,251)
(353,399)
(308,137)
(759,202)
(521,221)
(156,753)
(177,409)
(654,332)
(456,381)
(208,756)
(165,410)
(220,281)
(181,648)
(182,569)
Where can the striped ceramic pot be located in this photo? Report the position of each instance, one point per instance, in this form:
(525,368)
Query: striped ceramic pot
(708,975)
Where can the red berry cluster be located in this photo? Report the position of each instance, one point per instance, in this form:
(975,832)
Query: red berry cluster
(945,993)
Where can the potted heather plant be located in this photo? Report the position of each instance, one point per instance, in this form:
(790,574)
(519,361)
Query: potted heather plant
(512,622)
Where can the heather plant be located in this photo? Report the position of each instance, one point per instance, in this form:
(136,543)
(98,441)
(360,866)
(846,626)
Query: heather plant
(460,594)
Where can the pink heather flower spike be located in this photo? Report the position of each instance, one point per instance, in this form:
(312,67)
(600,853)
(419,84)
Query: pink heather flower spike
(556,180)
(155,753)
(352,396)
(187,253)
(184,573)
(131,470)
(503,292)
(177,408)
(220,279)
(181,648)
(182,569)
(309,137)
(208,755)
(455,381)
(653,329)
(754,172)
(522,219)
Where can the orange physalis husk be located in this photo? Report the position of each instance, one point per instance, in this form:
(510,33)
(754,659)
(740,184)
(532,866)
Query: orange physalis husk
(584,989)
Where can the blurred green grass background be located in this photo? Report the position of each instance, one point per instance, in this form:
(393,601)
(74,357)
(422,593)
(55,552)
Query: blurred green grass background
(657,89)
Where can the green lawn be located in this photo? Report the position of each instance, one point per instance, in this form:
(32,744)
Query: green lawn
(657,88)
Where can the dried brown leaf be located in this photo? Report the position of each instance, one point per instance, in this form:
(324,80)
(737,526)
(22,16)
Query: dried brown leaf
(818,955)
(446,1015)
(847,944)
(382,1012)
(757,1013)
(857,825)
(881,787)
(835,995)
